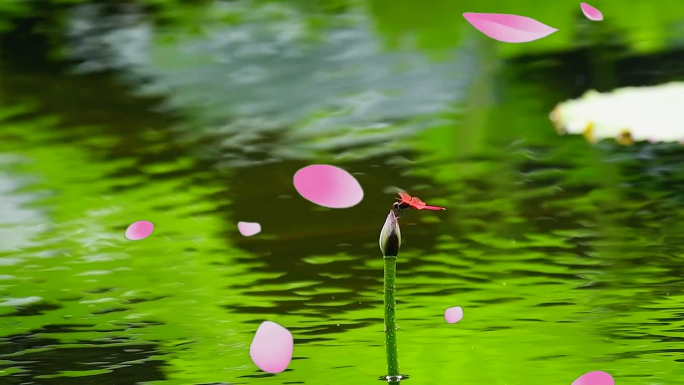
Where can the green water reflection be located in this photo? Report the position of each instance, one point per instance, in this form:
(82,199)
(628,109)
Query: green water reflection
(565,257)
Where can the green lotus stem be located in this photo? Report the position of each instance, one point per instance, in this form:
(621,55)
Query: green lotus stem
(390,242)
(391,316)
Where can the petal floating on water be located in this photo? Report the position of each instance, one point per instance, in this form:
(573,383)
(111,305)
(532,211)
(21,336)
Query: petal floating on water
(595,378)
(249,228)
(328,186)
(453,314)
(509,28)
(139,230)
(590,12)
(272,347)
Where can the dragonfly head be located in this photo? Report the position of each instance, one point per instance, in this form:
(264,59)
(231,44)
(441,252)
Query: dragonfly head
(396,207)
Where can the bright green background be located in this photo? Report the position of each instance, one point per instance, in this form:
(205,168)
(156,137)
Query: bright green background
(566,258)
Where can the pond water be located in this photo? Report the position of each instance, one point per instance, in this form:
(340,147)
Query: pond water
(566,257)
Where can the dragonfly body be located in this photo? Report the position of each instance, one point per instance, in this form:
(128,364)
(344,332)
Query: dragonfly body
(406,201)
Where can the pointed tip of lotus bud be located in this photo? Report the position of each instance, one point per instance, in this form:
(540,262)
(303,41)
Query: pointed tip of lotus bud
(390,236)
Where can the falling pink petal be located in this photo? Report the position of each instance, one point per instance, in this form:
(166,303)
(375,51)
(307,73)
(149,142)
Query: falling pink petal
(139,230)
(328,186)
(590,12)
(509,28)
(272,347)
(249,228)
(453,314)
(594,378)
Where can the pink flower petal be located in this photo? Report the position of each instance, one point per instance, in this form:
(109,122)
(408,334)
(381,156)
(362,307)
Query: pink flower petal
(590,12)
(272,347)
(249,228)
(509,28)
(328,186)
(139,230)
(453,314)
(594,378)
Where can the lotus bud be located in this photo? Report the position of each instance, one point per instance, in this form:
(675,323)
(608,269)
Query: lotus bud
(390,236)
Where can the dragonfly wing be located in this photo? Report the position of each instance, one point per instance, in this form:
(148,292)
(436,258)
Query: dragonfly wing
(404,196)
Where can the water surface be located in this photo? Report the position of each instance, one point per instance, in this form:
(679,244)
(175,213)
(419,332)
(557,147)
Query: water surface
(565,257)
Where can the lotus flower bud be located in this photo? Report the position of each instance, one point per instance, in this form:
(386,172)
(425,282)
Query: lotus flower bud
(390,236)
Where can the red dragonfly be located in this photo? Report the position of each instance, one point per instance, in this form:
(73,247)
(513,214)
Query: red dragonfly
(406,201)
